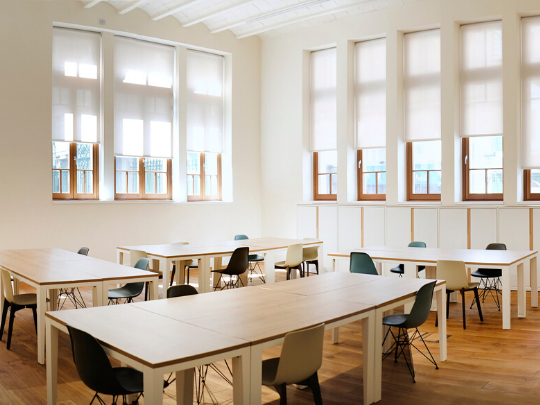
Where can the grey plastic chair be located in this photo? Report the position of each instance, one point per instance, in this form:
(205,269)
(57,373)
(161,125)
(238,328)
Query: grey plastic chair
(361,262)
(400,269)
(490,279)
(237,265)
(254,261)
(301,358)
(130,290)
(72,294)
(418,315)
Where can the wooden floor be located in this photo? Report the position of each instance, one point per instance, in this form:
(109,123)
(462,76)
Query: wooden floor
(485,365)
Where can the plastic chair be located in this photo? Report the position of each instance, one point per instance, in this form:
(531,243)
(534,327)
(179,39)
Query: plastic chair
(293,260)
(173,273)
(130,290)
(72,294)
(254,261)
(362,263)
(237,265)
(181,290)
(301,358)
(15,303)
(310,256)
(455,274)
(490,279)
(418,315)
(400,269)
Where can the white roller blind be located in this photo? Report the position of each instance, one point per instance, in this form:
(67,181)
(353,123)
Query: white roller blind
(370,93)
(143,104)
(422,85)
(481,79)
(530,92)
(323,100)
(76,67)
(204,102)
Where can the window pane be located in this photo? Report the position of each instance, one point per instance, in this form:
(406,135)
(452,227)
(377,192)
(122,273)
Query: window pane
(324,184)
(427,155)
(65,181)
(334,183)
(477,181)
(121,182)
(419,183)
(196,185)
(89,182)
(84,156)
(193,163)
(161,183)
(60,155)
(127,163)
(327,162)
(382,183)
(434,182)
(189,185)
(210,184)
(133,182)
(368,184)
(56,181)
(374,160)
(535,181)
(155,165)
(211,164)
(485,152)
(80,181)
(494,181)
(150,183)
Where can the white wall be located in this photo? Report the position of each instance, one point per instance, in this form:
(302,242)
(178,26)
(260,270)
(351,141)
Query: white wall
(29,217)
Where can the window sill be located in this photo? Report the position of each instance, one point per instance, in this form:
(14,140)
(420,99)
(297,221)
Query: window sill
(366,202)
(317,203)
(59,202)
(480,203)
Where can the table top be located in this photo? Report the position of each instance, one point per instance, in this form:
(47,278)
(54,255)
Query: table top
(255,245)
(431,255)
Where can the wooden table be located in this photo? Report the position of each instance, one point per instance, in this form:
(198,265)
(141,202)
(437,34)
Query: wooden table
(51,269)
(507,260)
(167,254)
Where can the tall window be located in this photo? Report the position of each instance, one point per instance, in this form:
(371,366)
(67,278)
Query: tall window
(481,110)
(530,107)
(422,113)
(75,111)
(143,116)
(370,118)
(323,124)
(205,83)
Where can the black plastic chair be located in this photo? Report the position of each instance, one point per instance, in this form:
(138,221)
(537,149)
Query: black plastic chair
(490,279)
(72,294)
(96,371)
(400,269)
(181,290)
(254,261)
(238,265)
(130,290)
(419,314)
(362,263)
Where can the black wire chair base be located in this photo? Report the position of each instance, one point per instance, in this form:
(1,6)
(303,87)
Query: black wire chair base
(114,401)
(259,273)
(232,283)
(402,341)
(491,286)
(202,390)
(70,294)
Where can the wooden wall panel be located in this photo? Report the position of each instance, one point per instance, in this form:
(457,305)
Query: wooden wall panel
(398,226)
(349,227)
(453,228)
(374,219)
(426,226)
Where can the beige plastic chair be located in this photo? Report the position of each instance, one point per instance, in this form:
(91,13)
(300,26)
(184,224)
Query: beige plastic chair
(311,256)
(301,358)
(455,275)
(293,260)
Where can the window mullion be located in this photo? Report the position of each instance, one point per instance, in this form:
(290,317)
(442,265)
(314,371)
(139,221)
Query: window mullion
(73,170)
(142,193)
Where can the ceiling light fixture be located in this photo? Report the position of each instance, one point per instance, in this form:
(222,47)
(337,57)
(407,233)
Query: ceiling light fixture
(286,10)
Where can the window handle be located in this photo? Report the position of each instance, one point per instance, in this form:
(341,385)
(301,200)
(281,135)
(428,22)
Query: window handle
(466,157)
(359,164)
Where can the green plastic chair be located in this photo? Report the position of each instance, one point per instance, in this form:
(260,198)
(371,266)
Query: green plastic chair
(362,263)
(130,290)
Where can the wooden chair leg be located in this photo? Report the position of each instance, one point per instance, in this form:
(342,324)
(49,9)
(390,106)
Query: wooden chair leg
(34,312)
(316,389)
(172,275)
(463,307)
(282,391)
(4,315)
(478,304)
(317,266)
(10,330)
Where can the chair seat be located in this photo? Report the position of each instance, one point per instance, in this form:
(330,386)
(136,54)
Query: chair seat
(487,273)
(25,300)
(471,286)
(269,370)
(401,269)
(130,379)
(122,292)
(280,265)
(256,258)
(395,320)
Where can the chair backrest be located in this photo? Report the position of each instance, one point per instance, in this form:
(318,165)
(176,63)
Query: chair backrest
(496,246)
(6,283)
(301,355)
(142,263)
(239,262)
(417,244)
(311,252)
(181,290)
(422,306)
(179,244)
(92,363)
(240,237)
(137,288)
(135,255)
(295,255)
(362,263)
(83,251)
(454,273)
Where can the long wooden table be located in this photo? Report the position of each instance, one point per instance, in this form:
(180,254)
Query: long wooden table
(239,324)
(48,270)
(507,260)
(167,254)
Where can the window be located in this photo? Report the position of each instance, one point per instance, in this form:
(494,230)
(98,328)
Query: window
(481,110)
(422,113)
(424,170)
(323,123)
(143,116)
(530,107)
(205,83)
(76,101)
(370,118)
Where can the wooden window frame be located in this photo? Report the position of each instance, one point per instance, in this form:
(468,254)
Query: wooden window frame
(316,195)
(142,195)
(410,195)
(202,175)
(527,194)
(360,181)
(73,194)
(467,196)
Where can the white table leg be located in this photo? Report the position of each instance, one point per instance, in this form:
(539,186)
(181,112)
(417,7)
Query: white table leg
(41,309)
(97,295)
(104,293)
(322,260)
(119,256)
(410,271)
(241,379)
(440,296)
(184,386)
(534,282)
(269,269)
(368,355)
(377,354)
(154,290)
(153,386)
(506,296)
(52,362)
(165,268)
(255,391)
(53,300)
(522,297)
(335,336)
(204,274)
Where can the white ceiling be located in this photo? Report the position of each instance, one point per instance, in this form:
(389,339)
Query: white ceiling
(250,17)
